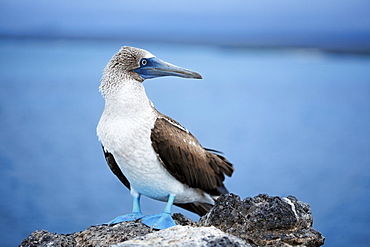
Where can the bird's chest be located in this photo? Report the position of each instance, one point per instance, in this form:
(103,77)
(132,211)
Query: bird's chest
(127,136)
(130,143)
(125,130)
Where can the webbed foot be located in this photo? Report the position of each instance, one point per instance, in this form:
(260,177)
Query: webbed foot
(159,221)
(126,217)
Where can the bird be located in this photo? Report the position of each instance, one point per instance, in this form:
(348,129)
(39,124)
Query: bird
(150,153)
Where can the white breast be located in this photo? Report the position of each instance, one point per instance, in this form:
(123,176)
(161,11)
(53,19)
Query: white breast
(124,130)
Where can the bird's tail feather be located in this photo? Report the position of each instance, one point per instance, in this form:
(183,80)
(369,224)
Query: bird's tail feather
(198,208)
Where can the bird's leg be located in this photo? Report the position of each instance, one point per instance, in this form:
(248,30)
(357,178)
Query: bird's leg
(136,212)
(162,220)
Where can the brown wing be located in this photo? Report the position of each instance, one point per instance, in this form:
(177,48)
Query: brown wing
(186,160)
(115,168)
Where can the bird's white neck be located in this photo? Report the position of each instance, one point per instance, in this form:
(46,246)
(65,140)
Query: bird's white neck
(128,112)
(126,98)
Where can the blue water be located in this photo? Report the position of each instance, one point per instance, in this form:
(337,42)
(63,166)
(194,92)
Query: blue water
(293,122)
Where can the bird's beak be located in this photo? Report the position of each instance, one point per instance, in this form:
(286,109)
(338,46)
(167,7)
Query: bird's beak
(154,67)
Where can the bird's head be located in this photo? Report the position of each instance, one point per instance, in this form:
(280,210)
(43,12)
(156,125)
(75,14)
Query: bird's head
(139,65)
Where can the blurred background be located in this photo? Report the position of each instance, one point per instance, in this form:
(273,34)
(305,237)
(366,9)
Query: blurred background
(285,97)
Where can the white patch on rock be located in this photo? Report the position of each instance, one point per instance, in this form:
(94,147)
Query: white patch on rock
(185,236)
(287,200)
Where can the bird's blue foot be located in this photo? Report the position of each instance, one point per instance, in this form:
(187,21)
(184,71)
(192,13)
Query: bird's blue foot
(126,217)
(159,221)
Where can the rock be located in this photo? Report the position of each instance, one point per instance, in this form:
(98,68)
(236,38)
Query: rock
(181,220)
(259,221)
(44,238)
(186,236)
(102,235)
(265,220)
(105,235)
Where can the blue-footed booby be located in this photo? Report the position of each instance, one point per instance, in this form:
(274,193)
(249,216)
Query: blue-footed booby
(152,154)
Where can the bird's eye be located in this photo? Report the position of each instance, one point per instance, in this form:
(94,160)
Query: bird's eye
(144,62)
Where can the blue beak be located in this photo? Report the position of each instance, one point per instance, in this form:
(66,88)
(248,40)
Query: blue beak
(154,67)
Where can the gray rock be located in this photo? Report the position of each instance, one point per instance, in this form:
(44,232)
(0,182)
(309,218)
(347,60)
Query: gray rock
(259,221)
(44,238)
(102,235)
(265,220)
(186,236)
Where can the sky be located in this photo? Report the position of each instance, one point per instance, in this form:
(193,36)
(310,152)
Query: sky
(337,25)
